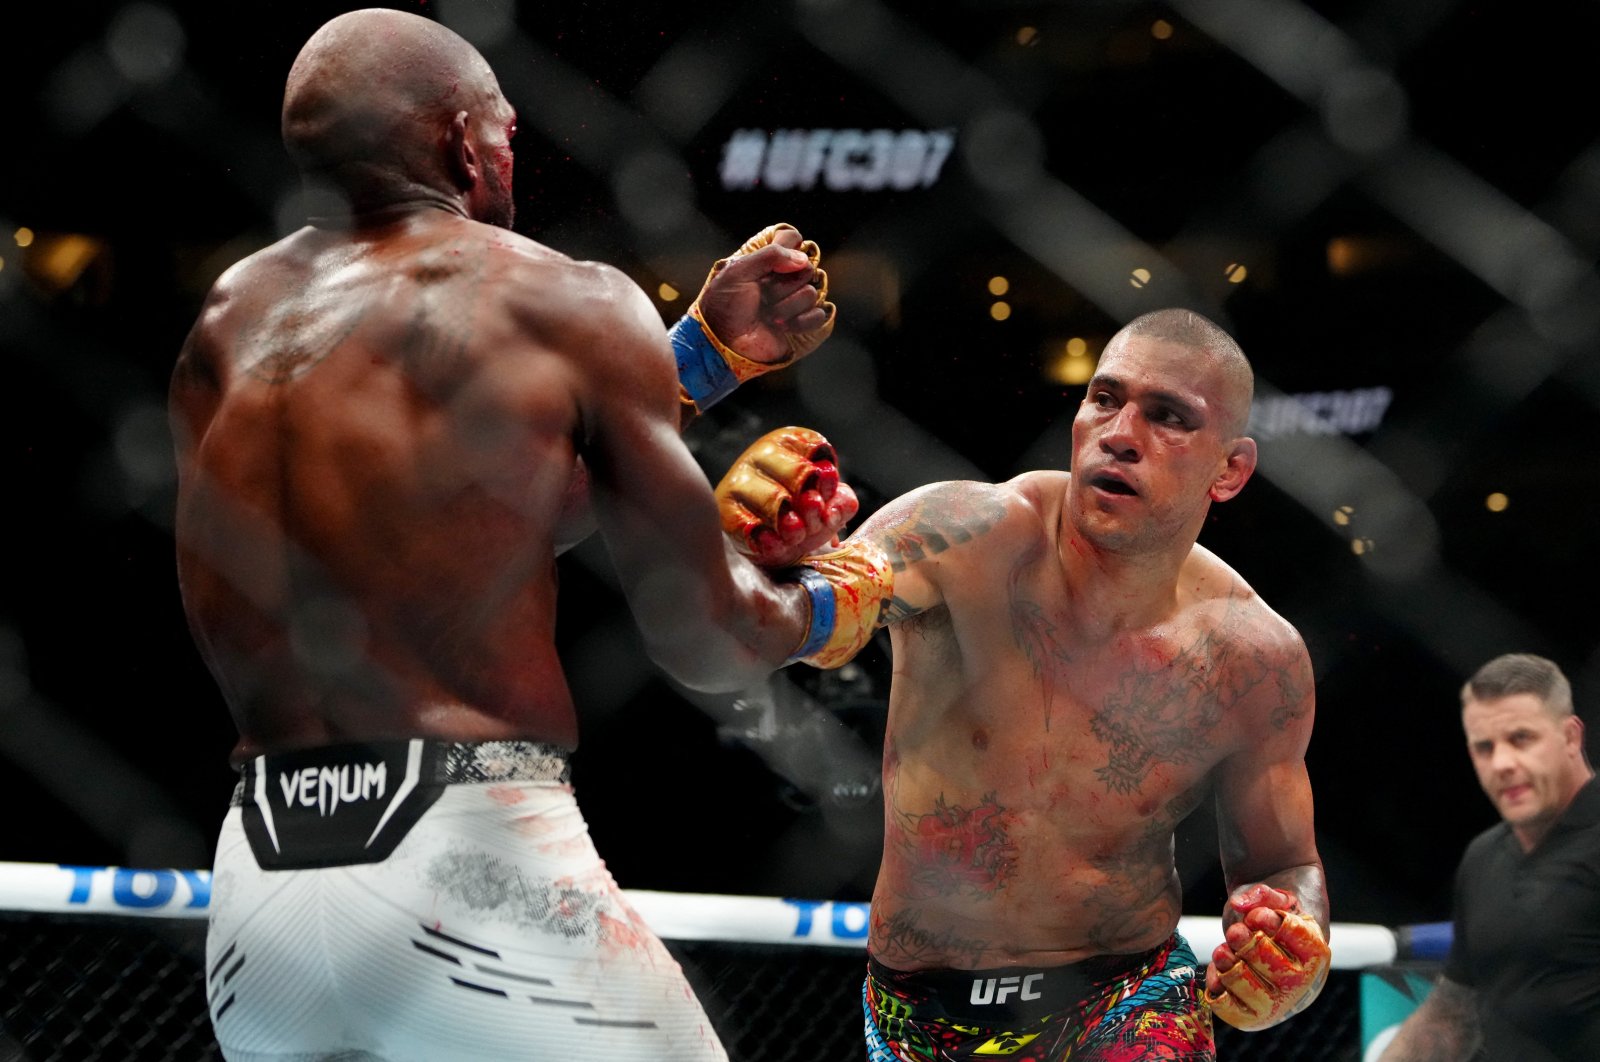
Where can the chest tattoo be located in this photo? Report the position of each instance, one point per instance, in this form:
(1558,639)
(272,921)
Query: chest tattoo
(1160,715)
(1039,639)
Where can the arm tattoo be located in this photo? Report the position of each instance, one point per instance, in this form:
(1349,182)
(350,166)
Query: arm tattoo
(1248,667)
(1294,698)
(947,515)
(896,610)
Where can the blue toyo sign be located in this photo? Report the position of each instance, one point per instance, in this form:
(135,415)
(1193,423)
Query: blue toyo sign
(140,890)
(838,920)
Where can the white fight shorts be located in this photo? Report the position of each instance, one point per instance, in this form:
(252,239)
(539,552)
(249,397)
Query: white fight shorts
(426,902)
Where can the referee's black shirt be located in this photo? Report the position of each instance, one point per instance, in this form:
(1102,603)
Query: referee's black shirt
(1527,937)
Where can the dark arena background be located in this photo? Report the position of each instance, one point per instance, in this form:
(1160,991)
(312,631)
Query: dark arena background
(1395,207)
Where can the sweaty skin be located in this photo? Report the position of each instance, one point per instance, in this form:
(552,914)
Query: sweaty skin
(379,417)
(1039,761)
(1074,674)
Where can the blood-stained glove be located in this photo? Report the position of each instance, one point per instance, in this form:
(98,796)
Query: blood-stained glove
(783,498)
(763,307)
(1277,975)
(848,587)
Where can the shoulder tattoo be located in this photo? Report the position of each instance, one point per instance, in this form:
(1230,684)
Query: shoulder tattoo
(944,516)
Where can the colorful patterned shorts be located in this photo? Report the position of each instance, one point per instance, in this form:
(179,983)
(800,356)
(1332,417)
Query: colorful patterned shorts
(1120,1008)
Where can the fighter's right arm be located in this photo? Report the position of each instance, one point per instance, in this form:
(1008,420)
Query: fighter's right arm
(926,532)
(906,550)
(1444,1028)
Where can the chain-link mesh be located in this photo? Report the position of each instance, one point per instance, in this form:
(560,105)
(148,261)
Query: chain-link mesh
(132,990)
(102,990)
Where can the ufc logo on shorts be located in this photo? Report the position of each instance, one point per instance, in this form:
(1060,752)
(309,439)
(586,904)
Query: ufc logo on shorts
(996,989)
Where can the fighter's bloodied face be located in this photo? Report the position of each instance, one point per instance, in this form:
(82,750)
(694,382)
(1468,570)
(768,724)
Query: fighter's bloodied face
(1529,759)
(1151,445)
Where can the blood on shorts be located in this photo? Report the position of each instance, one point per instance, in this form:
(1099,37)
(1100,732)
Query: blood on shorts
(507,794)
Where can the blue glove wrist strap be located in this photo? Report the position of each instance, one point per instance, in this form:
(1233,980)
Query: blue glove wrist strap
(703,372)
(822,611)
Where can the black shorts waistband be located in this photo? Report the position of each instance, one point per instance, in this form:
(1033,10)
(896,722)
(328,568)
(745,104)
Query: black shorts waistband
(1016,993)
(440,762)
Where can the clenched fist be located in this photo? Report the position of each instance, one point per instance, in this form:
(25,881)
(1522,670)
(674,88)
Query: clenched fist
(767,303)
(1272,963)
(783,497)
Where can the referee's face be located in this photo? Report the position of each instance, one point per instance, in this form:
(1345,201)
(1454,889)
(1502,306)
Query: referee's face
(1529,759)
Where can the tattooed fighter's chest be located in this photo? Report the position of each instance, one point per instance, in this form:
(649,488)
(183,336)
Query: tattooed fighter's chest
(1139,717)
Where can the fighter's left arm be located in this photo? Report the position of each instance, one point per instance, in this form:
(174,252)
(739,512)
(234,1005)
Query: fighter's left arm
(1274,959)
(761,309)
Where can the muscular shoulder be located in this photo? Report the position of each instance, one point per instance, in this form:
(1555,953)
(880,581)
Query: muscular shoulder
(946,521)
(1214,588)
(555,287)
(590,312)
(254,277)
(947,534)
(1264,661)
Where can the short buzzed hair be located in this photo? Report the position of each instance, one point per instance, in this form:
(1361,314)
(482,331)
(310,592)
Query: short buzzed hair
(1189,329)
(1514,673)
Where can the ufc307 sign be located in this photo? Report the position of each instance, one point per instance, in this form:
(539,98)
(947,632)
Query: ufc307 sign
(867,160)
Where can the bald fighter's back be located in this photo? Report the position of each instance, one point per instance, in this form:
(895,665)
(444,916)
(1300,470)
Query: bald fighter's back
(382,426)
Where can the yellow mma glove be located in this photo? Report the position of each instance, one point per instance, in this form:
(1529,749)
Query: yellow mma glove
(769,300)
(1277,975)
(848,587)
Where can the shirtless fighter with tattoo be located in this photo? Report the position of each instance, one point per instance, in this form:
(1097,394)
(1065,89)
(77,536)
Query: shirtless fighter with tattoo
(388,424)
(1073,675)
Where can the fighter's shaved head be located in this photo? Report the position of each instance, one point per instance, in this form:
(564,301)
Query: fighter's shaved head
(1189,329)
(370,96)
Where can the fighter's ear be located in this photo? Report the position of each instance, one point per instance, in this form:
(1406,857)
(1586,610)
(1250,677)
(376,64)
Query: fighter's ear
(461,156)
(1236,472)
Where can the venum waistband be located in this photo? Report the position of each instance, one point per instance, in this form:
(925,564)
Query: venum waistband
(337,805)
(449,762)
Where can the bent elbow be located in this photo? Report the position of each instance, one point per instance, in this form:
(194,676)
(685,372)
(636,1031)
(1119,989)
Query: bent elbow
(708,642)
(715,663)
